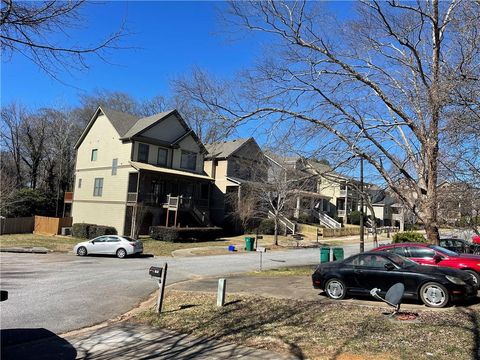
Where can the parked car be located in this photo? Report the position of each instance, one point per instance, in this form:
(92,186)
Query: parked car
(358,274)
(427,254)
(460,246)
(476,239)
(110,245)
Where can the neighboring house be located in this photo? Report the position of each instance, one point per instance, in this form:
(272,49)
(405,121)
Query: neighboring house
(132,173)
(457,202)
(233,164)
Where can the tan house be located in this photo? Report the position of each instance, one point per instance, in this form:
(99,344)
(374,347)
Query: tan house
(232,164)
(132,173)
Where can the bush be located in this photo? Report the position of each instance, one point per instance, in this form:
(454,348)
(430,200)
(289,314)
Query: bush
(173,234)
(305,219)
(266,227)
(354,218)
(29,202)
(90,231)
(408,236)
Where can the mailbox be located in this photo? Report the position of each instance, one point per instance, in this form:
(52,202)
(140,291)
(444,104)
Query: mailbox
(3,295)
(155,271)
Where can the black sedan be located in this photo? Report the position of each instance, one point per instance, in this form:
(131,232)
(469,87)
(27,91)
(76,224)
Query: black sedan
(460,246)
(358,274)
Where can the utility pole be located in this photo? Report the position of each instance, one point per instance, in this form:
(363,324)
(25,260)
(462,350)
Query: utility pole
(362,230)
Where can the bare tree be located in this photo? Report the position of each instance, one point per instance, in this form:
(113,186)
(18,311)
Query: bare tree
(13,116)
(38,31)
(380,84)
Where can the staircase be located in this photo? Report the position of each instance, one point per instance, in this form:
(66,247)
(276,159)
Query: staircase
(289,225)
(201,216)
(326,220)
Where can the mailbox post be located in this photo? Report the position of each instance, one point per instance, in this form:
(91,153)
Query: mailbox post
(261,250)
(161,275)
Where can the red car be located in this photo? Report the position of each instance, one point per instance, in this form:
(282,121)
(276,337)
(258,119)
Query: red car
(434,255)
(476,239)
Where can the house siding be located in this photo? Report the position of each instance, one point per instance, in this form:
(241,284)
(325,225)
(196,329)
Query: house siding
(108,209)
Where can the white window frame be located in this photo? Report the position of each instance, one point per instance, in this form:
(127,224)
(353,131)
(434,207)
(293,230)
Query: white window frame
(166,156)
(94,155)
(98,187)
(114,166)
(189,154)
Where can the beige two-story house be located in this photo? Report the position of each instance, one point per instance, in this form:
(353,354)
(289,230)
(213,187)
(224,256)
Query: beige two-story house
(233,164)
(132,173)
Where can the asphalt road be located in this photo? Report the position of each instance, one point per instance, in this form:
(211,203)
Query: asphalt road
(63,292)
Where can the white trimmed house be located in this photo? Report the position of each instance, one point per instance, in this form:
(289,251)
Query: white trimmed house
(132,172)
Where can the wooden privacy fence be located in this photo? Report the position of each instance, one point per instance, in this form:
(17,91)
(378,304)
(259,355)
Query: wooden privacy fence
(50,225)
(19,225)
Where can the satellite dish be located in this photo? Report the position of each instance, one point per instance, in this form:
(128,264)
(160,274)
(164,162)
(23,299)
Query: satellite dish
(393,296)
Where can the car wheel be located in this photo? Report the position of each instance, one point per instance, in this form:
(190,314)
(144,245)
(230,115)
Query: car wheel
(82,251)
(476,277)
(121,253)
(434,295)
(335,289)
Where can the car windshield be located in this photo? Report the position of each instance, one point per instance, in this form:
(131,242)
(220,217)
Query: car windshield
(401,261)
(443,250)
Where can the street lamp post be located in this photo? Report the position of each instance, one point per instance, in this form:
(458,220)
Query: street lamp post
(362,230)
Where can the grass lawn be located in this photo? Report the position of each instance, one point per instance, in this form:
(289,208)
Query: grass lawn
(320,331)
(54,243)
(286,271)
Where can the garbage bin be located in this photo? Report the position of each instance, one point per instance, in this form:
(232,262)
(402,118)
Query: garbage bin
(324,254)
(338,254)
(249,242)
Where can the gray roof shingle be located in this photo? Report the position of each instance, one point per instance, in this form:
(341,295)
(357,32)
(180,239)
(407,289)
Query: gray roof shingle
(144,123)
(122,122)
(224,149)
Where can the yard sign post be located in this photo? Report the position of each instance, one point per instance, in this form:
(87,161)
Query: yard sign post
(221,292)
(261,250)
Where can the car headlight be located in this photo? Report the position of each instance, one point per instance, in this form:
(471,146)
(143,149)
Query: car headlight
(455,280)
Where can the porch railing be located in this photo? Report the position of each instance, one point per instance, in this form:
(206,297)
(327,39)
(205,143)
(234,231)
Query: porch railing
(343,193)
(342,213)
(132,197)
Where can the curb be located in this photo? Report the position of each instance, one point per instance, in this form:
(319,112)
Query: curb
(34,250)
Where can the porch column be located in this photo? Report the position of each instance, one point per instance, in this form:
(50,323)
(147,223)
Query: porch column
(297,208)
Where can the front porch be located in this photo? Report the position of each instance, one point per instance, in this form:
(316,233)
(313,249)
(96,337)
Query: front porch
(167,197)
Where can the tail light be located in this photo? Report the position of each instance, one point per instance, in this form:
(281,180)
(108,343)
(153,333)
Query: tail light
(133,244)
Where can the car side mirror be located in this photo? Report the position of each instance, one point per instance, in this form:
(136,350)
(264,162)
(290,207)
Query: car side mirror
(437,258)
(389,266)
(93,241)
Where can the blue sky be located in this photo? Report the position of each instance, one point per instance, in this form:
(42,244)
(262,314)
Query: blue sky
(168,39)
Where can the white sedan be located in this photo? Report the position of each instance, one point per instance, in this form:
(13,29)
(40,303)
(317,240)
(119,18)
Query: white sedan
(110,245)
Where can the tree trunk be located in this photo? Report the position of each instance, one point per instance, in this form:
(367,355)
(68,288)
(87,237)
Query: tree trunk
(275,231)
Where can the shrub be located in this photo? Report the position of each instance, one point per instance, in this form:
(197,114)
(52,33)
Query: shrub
(409,236)
(100,230)
(305,219)
(266,227)
(90,231)
(173,234)
(354,218)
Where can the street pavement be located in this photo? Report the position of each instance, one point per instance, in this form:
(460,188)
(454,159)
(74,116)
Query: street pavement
(63,292)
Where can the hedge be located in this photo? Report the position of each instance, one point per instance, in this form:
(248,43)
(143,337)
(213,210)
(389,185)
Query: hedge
(90,231)
(173,234)
(408,236)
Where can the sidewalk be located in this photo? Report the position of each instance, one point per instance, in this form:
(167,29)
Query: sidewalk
(125,341)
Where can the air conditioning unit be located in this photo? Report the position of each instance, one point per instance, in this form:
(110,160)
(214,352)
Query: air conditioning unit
(66,231)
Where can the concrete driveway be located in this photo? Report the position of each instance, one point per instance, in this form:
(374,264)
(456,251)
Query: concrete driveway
(63,292)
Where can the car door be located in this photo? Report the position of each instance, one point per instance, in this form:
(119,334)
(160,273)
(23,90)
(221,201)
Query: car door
(422,255)
(371,273)
(98,245)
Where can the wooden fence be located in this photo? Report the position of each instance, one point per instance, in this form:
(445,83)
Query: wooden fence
(50,225)
(19,225)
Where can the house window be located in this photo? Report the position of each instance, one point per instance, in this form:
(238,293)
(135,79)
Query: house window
(162,156)
(94,155)
(79,183)
(98,187)
(143,150)
(188,161)
(114,166)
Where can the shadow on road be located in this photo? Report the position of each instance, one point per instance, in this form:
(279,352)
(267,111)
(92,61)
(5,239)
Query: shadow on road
(26,344)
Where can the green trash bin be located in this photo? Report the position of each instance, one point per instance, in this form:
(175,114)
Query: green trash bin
(249,242)
(338,254)
(324,254)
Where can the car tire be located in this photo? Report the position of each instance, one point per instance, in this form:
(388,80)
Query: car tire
(121,253)
(476,276)
(82,251)
(434,295)
(335,289)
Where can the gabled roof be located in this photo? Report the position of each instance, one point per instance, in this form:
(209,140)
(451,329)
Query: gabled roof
(146,123)
(129,126)
(225,149)
(122,122)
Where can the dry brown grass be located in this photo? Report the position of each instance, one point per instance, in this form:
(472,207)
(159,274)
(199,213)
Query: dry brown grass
(53,243)
(320,331)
